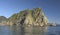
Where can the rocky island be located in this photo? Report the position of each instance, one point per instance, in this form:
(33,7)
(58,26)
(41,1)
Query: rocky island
(34,17)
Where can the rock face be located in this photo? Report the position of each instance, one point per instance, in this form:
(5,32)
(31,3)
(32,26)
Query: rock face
(34,17)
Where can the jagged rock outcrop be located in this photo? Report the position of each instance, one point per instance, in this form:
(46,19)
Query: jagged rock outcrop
(34,17)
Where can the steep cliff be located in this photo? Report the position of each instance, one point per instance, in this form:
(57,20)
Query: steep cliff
(34,17)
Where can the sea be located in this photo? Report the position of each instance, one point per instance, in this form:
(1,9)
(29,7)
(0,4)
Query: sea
(20,30)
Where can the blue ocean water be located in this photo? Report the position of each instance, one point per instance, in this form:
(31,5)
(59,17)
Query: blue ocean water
(18,30)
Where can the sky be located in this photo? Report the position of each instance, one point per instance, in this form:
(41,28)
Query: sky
(51,8)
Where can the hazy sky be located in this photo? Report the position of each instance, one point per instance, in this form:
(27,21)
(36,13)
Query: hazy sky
(51,8)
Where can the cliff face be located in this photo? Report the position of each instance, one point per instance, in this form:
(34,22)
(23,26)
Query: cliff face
(34,17)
